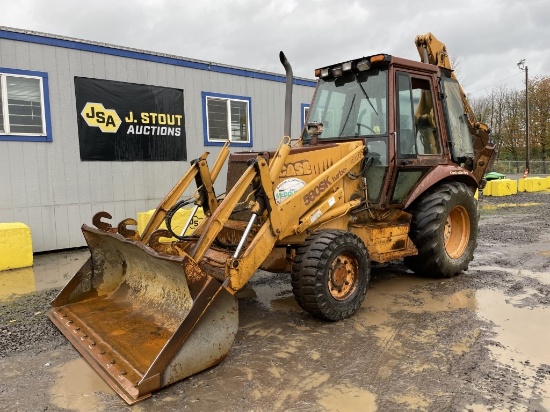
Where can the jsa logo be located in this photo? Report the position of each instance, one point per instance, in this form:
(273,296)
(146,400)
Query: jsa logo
(96,115)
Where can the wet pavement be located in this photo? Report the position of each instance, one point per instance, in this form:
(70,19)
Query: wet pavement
(477,342)
(49,271)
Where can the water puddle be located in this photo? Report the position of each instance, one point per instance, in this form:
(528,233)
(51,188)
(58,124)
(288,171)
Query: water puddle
(78,387)
(344,398)
(519,329)
(410,294)
(49,271)
(412,402)
(542,277)
(523,341)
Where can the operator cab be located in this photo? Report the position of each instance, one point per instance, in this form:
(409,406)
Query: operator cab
(392,104)
(351,101)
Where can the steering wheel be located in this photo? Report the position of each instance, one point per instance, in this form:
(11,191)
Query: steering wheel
(359,125)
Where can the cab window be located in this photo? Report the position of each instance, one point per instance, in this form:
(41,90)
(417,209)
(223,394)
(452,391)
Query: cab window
(417,129)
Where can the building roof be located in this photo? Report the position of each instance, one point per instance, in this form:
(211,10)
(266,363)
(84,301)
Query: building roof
(30,36)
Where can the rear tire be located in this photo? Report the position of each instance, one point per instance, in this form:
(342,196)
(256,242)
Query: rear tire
(444,228)
(330,274)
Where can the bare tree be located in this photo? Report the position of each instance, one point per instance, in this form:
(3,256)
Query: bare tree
(539,102)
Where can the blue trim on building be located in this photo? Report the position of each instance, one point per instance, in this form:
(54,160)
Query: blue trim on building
(75,45)
(204,95)
(47,115)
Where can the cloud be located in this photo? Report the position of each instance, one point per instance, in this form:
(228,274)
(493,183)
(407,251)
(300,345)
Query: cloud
(488,38)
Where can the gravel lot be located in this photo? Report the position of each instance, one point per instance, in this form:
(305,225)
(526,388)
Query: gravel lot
(475,342)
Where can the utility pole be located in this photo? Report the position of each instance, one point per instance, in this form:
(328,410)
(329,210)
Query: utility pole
(522,66)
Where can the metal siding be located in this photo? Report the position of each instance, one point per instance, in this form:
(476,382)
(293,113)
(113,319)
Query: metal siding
(21,214)
(45,181)
(8,54)
(74,223)
(87,60)
(111,69)
(48,228)
(67,149)
(98,64)
(6,216)
(61,226)
(36,57)
(127,176)
(162,77)
(118,180)
(130,209)
(6,199)
(54,152)
(106,181)
(85,215)
(17,179)
(121,70)
(119,212)
(83,176)
(131,70)
(95,182)
(32,174)
(54,192)
(22,56)
(35,223)
(171,79)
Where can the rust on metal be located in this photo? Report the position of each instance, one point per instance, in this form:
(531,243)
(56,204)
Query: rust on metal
(344,275)
(196,278)
(97,222)
(128,233)
(168,248)
(132,314)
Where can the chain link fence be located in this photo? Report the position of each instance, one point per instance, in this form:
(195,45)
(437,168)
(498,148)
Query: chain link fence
(510,166)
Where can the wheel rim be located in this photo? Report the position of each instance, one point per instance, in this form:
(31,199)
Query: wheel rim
(343,275)
(457,232)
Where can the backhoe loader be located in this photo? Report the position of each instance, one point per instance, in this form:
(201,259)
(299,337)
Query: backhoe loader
(385,169)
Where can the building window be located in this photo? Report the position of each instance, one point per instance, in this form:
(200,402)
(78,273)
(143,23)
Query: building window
(24,106)
(226,118)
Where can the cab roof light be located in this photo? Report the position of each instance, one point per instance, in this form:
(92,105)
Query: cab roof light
(346,66)
(324,72)
(317,72)
(378,58)
(337,71)
(362,65)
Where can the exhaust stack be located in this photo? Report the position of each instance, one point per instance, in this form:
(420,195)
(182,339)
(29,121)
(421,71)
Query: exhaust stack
(288,93)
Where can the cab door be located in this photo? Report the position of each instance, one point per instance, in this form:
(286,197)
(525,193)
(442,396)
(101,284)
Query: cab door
(418,141)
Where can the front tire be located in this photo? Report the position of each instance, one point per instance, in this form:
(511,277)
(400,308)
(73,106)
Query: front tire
(330,274)
(444,229)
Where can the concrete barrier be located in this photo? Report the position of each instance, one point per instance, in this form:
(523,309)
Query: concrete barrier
(15,246)
(531,184)
(178,221)
(501,187)
(487,190)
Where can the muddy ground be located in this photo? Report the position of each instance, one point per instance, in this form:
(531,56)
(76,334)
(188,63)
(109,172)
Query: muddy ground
(477,342)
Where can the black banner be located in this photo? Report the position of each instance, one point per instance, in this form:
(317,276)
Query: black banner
(126,121)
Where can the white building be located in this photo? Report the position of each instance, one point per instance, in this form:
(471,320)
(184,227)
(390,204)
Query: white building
(65,156)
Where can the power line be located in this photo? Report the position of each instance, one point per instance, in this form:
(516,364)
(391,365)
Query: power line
(494,84)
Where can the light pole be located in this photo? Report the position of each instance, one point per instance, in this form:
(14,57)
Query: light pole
(522,66)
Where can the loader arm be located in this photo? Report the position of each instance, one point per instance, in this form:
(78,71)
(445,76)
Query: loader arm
(432,51)
(301,211)
(205,180)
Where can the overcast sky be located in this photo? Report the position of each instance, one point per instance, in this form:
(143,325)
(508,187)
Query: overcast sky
(486,37)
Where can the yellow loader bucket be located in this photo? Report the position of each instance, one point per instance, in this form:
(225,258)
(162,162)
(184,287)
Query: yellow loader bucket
(141,319)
